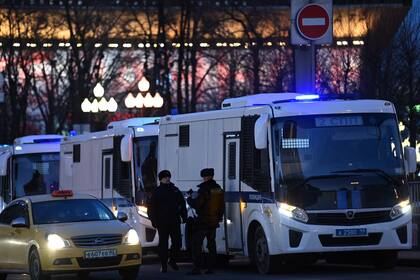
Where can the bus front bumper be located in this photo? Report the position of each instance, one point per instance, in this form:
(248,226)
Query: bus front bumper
(298,237)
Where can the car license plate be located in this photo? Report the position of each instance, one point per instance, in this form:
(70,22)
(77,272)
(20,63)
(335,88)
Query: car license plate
(351,232)
(99,254)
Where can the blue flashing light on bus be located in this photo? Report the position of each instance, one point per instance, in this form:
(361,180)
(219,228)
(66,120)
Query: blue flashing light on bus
(307,97)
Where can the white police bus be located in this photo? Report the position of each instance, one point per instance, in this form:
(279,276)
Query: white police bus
(29,166)
(303,176)
(118,166)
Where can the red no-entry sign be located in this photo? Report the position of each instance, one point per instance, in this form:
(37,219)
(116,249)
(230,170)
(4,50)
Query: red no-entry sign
(313,21)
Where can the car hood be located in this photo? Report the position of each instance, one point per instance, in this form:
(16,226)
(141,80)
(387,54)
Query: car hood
(69,230)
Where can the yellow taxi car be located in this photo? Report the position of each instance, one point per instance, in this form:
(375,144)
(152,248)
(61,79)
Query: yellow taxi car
(65,233)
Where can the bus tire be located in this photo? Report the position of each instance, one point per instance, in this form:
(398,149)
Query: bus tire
(385,260)
(265,263)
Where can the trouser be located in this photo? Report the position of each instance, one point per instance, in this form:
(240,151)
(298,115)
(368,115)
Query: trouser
(197,244)
(174,232)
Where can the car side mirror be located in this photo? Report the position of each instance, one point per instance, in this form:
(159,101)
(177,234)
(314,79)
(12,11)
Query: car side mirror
(410,159)
(126,148)
(19,223)
(261,132)
(122,216)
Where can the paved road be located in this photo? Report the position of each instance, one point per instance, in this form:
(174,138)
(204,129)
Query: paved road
(241,270)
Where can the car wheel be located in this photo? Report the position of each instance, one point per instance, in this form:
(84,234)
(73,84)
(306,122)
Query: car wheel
(265,263)
(129,273)
(386,260)
(35,269)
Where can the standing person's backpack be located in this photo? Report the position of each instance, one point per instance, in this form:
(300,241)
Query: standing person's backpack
(215,206)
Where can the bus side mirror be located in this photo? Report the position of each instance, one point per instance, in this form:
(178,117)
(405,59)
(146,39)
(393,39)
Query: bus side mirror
(121,216)
(410,159)
(261,132)
(127,148)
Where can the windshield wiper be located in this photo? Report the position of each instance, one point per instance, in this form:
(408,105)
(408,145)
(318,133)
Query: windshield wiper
(377,171)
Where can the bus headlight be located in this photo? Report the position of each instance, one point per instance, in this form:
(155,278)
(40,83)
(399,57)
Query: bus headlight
(56,242)
(142,210)
(131,238)
(293,212)
(400,209)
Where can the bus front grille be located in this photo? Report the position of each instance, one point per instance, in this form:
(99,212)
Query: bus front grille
(341,219)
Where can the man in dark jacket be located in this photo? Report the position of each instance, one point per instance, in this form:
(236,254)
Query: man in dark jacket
(165,210)
(209,206)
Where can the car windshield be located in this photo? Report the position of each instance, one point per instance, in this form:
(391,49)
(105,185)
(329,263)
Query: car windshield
(35,173)
(317,157)
(70,211)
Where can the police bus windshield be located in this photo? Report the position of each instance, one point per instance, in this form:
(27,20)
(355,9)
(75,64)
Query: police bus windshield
(145,166)
(35,174)
(316,157)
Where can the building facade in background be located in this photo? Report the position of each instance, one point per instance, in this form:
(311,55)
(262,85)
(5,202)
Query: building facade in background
(194,53)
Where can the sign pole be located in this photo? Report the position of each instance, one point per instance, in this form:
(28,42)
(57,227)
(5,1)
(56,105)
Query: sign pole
(311,25)
(305,68)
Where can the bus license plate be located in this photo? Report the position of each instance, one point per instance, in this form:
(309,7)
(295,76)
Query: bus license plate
(351,232)
(99,254)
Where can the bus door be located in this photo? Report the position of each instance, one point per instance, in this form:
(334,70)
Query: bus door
(107,179)
(233,216)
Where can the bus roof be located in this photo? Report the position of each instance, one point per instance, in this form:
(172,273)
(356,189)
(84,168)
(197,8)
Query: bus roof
(286,104)
(49,143)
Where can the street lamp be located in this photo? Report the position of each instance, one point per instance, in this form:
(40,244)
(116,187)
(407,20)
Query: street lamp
(112,105)
(147,101)
(98,90)
(144,84)
(95,106)
(86,106)
(99,104)
(130,101)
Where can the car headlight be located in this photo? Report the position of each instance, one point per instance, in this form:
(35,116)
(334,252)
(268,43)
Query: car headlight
(293,212)
(131,238)
(400,209)
(142,210)
(56,242)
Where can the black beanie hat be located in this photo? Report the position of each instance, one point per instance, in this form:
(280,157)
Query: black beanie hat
(163,174)
(207,172)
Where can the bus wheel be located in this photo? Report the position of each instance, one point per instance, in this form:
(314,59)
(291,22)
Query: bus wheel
(386,260)
(264,262)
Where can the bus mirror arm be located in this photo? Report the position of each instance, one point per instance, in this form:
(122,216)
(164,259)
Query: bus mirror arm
(410,159)
(261,132)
